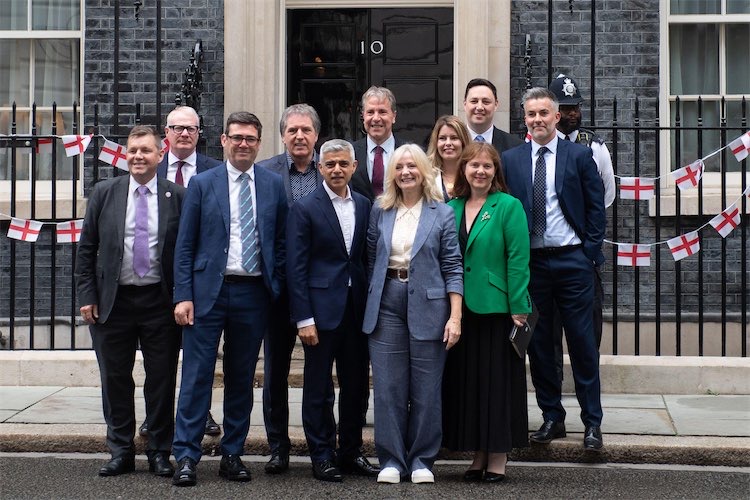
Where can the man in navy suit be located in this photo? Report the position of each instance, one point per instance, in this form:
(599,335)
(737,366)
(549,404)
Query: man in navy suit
(298,167)
(229,267)
(327,282)
(480,104)
(560,187)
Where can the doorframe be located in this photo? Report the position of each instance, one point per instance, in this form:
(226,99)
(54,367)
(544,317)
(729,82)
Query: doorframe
(481,48)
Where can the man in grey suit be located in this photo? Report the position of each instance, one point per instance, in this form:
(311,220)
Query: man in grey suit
(480,104)
(124,278)
(182,161)
(297,165)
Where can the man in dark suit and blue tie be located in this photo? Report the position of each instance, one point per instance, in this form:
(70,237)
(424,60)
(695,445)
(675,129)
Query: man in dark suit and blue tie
(124,281)
(327,282)
(563,195)
(229,267)
(480,104)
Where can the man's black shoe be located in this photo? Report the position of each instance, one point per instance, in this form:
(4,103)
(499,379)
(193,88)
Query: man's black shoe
(212,428)
(143,429)
(358,466)
(159,464)
(325,470)
(185,475)
(592,438)
(232,468)
(279,463)
(117,466)
(548,431)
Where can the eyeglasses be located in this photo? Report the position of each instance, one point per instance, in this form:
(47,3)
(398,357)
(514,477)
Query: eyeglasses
(178,129)
(249,139)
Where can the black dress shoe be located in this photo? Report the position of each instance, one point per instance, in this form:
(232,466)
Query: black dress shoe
(325,470)
(159,464)
(143,429)
(493,477)
(232,468)
(117,466)
(592,438)
(279,463)
(473,475)
(212,428)
(358,466)
(185,475)
(548,431)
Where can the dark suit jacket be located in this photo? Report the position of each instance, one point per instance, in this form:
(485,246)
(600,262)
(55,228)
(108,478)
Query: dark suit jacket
(100,249)
(579,190)
(503,141)
(203,163)
(360,181)
(279,165)
(203,240)
(318,266)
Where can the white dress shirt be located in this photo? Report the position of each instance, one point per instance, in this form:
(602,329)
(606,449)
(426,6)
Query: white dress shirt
(402,239)
(234,257)
(189,169)
(603,161)
(558,233)
(127,274)
(389,146)
(486,135)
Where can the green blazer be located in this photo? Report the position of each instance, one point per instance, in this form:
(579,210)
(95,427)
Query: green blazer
(496,260)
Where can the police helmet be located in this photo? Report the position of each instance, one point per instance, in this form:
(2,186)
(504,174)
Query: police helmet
(566,90)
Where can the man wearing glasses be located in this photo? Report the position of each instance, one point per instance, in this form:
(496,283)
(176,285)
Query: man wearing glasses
(230,262)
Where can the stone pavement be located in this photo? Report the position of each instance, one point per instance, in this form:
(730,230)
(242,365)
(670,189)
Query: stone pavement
(638,428)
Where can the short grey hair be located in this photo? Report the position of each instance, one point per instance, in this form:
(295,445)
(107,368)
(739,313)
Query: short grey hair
(303,110)
(381,94)
(335,146)
(540,93)
(184,109)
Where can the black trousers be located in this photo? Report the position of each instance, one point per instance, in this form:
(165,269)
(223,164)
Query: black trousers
(141,315)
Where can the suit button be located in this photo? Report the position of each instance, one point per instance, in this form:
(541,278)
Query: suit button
(468,269)
(411,292)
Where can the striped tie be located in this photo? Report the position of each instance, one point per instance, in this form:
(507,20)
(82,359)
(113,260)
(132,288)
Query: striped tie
(247,227)
(479,138)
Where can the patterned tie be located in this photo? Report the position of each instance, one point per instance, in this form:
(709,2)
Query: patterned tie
(567,137)
(539,206)
(247,226)
(479,138)
(178,174)
(141,261)
(378,171)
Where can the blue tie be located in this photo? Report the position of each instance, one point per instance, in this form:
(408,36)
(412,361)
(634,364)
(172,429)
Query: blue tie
(539,201)
(247,226)
(479,138)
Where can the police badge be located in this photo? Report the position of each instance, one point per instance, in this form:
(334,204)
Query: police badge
(569,88)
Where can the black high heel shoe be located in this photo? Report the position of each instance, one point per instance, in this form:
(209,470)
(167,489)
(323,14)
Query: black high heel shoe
(493,477)
(473,475)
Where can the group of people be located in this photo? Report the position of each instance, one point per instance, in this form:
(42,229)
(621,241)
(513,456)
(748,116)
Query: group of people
(372,252)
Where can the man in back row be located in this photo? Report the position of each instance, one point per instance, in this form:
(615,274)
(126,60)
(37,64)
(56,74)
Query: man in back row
(480,104)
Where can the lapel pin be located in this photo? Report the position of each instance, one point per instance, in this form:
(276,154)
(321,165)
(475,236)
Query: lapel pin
(168,194)
(485,216)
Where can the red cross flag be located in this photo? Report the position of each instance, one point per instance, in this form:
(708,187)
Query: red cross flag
(165,145)
(726,221)
(44,145)
(684,245)
(633,255)
(114,154)
(528,137)
(688,177)
(636,188)
(69,231)
(75,144)
(741,146)
(24,230)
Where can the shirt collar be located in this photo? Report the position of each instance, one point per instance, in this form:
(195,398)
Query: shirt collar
(151,185)
(573,135)
(333,195)
(313,162)
(551,145)
(388,145)
(234,173)
(190,160)
(487,134)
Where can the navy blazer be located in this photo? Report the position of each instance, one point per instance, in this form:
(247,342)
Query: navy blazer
(203,239)
(203,163)
(360,181)
(318,266)
(434,271)
(579,190)
(279,165)
(99,257)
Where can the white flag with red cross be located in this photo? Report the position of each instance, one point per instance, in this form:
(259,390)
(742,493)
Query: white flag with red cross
(114,154)
(69,231)
(740,147)
(726,221)
(636,188)
(688,177)
(684,245)
(633,255)
(44,145)
(165,145)
(75,144)
(24,230)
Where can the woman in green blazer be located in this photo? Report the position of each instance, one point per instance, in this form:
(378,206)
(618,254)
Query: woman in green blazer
(484,383)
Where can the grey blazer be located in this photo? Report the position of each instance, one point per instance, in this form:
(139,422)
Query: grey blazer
(435,269)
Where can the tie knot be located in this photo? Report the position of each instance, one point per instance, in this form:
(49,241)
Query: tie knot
(378,149)
(181,164)
(479,138)
(143,190)
(244,176)
(542,151)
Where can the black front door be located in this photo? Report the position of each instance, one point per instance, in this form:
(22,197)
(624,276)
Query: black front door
(333,56)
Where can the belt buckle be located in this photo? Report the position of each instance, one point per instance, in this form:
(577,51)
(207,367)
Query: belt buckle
(403,275)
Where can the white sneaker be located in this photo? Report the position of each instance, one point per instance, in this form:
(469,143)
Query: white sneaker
(422,476)
(389,475)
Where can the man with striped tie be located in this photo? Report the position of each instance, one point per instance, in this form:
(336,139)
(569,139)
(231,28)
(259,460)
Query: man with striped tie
(229,267)
(480,104)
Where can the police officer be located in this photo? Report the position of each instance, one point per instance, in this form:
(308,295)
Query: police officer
(569,128)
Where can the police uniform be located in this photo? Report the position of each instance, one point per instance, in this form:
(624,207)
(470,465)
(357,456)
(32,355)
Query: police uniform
(601,157)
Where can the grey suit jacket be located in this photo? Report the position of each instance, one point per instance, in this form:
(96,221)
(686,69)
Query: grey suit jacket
(100,249)
(504,141)
(278,164)
(360,181)
(435,248)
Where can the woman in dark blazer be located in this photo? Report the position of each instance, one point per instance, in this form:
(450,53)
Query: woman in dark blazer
(485,380)
(447,142)
(413,314)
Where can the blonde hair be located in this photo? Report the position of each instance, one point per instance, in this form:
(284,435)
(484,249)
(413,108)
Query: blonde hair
(457,125)
(392,196)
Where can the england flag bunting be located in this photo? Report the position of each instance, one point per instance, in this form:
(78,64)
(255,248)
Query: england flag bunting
(740,147)
(688,177)
(24,230)
(684,245)
(75,144)
(633,255)
(636,188)
(69,231)
(114,154)
(165,145)
(726,221)
(44,145)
